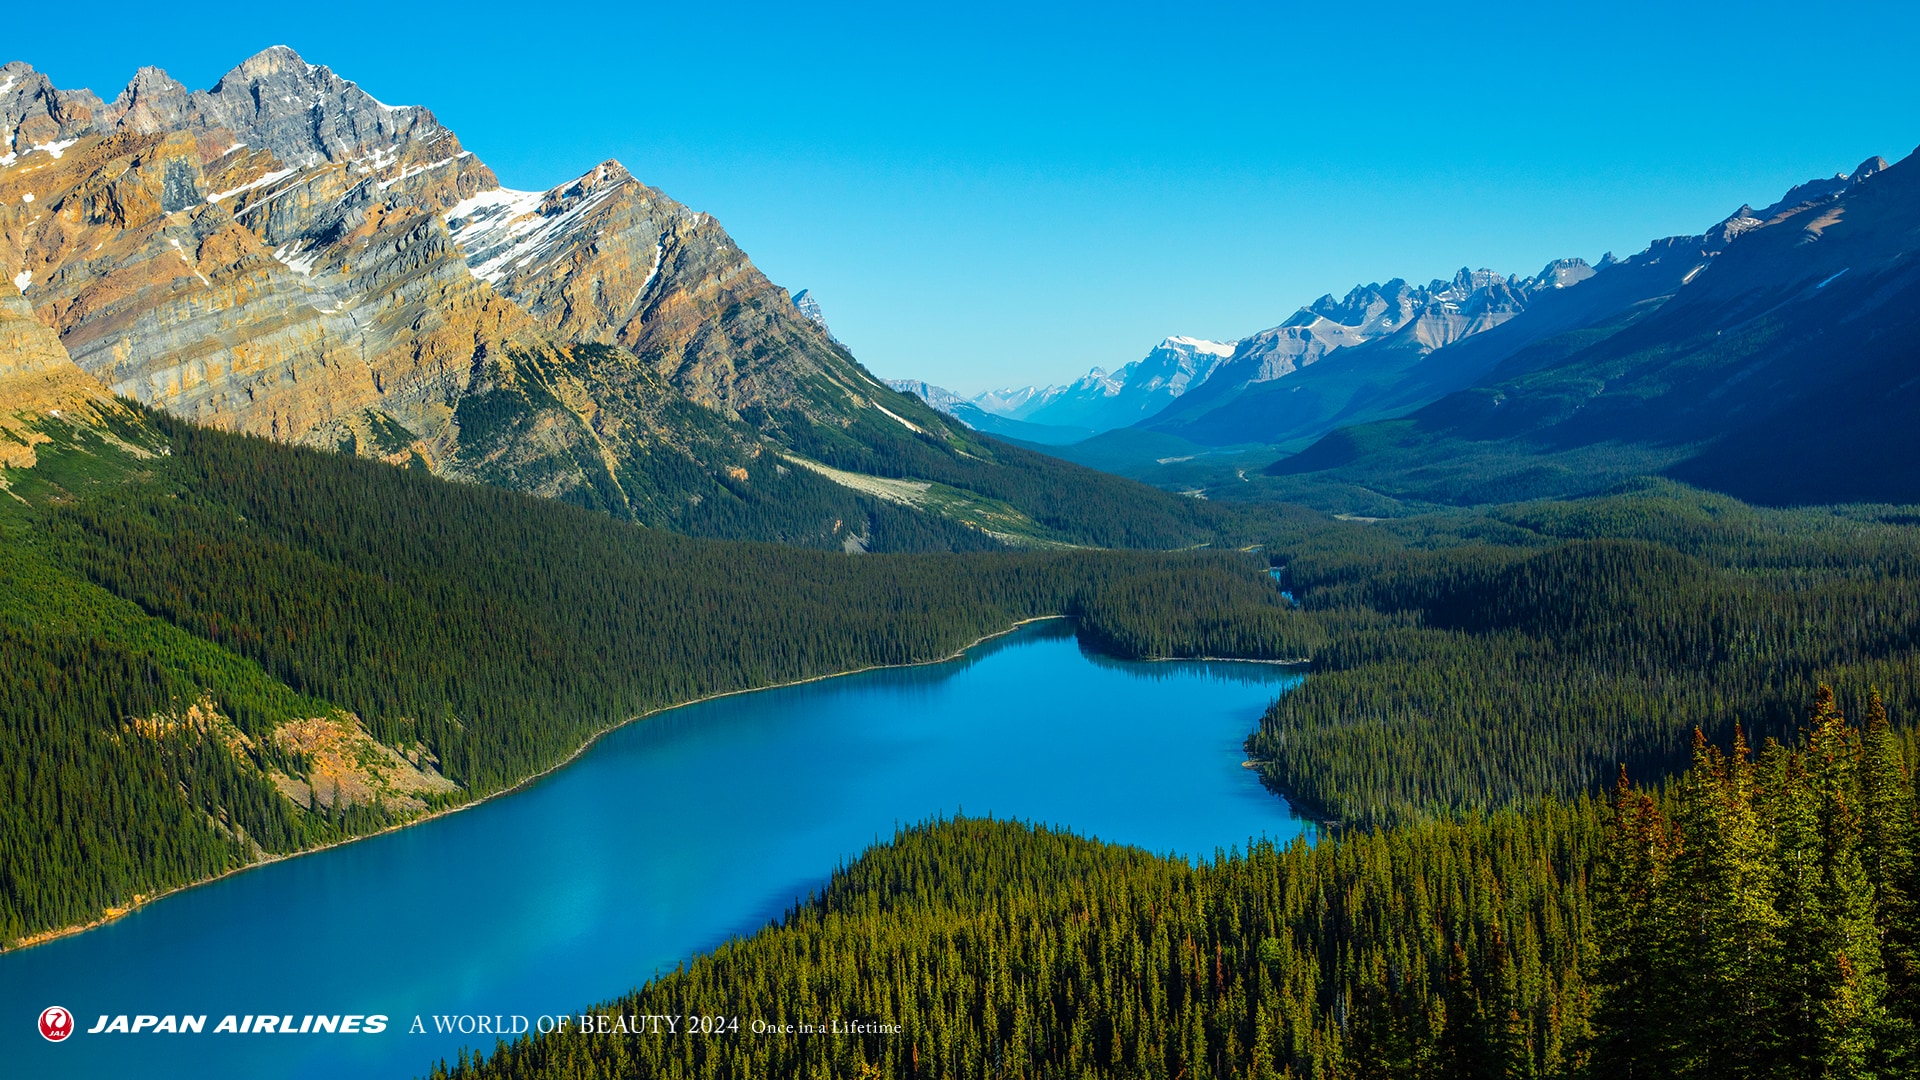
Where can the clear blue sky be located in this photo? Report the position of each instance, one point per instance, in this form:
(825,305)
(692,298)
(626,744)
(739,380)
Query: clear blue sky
(984,194)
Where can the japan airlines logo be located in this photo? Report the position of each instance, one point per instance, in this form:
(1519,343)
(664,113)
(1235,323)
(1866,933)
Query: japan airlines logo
(56,1023)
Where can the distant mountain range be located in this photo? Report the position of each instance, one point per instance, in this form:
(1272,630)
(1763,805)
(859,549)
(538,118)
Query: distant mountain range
(1261,393)
(1190,387)
(1099,401)
(1687,356)
(284,254)
(1775,357)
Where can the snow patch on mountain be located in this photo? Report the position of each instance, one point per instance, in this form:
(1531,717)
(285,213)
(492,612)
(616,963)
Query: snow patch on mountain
(263,181)
(501,230)
(1098,401)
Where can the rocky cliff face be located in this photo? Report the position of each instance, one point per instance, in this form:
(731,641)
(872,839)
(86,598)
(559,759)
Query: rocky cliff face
(39,384)
(252,256)
(608,259)
(284,254)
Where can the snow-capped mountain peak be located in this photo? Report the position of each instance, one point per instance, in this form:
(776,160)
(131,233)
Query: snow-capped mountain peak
(1100,400)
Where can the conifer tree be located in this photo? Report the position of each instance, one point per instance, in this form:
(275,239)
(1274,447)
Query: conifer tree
(1632,1041)
(1888,839)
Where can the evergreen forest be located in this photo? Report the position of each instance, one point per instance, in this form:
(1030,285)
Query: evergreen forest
(1754,918)
(164,618)
(1488,896)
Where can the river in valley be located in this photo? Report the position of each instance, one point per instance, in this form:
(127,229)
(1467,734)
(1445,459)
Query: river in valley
(666,838)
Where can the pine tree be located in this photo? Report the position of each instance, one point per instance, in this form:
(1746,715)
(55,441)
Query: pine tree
(1888,838)
(1850,973)
(1632,1040)
(1720,902)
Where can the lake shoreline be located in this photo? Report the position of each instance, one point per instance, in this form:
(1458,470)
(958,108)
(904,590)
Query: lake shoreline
(140,900)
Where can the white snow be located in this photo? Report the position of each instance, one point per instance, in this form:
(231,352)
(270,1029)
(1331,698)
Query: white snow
(416,170)
(659,253)
(54,149)
(379,159)
(277,174)
(23,279)
(904,422)
(26,197)
(230,150)
(296,260)
(519,202)
(1215,348)
(251,207)
(1829,280)
(8,85)
(180,251)
(1693,273)
(502,230)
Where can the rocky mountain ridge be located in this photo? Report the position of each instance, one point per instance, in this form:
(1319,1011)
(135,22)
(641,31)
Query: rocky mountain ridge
(285,255)
(1770,357)
(1475,326)
(1394,315)
(39,384)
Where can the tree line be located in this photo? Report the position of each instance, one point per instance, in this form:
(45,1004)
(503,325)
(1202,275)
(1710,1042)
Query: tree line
(1755,918)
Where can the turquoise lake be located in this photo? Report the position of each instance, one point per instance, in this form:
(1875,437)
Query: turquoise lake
(666,838)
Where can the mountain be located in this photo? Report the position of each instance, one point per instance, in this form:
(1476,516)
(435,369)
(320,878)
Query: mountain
(285,255)
(1135,392)
(1263,393)
(1775,361)
(939,397)
(806,304)
(1015,402)
(1383,351)
(968,412)
(1099,401)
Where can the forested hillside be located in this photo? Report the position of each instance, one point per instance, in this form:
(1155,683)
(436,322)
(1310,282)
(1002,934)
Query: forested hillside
(1755,919)
(1477,660)
(232,647)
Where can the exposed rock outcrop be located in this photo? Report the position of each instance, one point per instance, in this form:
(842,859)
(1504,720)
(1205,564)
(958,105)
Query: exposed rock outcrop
(608,259)
(283,254)
(38,383)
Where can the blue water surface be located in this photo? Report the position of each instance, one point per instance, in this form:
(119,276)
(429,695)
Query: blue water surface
(666,838)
